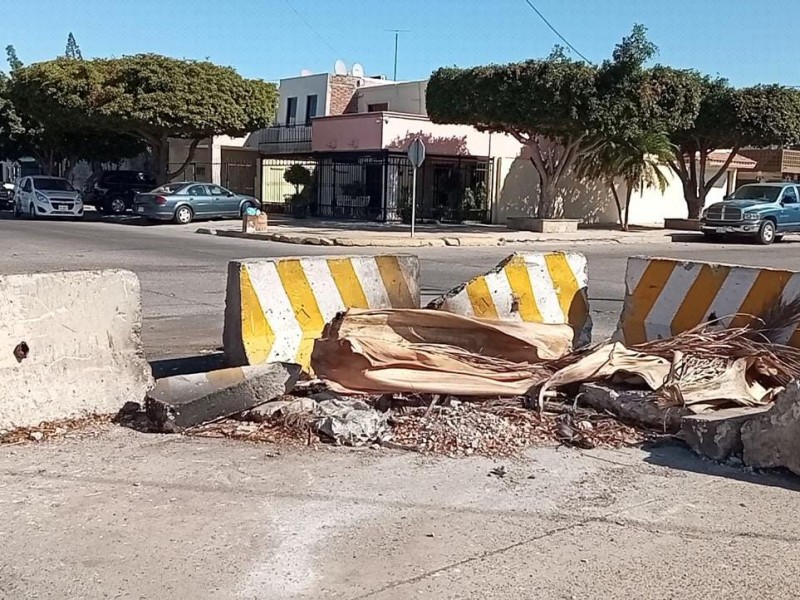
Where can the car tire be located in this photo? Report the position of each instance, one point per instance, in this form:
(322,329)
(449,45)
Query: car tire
(116,206)
(766,233)
(183,215)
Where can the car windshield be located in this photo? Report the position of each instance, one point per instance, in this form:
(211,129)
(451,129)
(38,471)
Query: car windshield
(168,188)
(52,184)
(757,192)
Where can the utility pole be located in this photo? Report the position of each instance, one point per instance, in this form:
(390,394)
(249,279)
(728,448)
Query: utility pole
(397,33)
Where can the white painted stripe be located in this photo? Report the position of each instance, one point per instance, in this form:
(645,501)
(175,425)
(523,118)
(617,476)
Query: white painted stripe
(502,295)
(657,322)
(277,310)
(324,287)
(577,262)
(732,293)
(459,304)
(634,272)
(543,289)
(790,292)
(367,271)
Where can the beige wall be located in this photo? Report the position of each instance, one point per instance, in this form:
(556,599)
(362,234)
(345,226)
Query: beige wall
(516,188)
(407,97)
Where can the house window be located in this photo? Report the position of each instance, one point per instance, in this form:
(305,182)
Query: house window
(311,108)
(381,107)
(291,111)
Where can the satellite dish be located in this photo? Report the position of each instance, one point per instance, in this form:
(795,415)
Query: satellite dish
(305,73)
(358,70)
(340,68)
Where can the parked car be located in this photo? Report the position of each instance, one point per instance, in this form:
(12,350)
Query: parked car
(42,196)
(186,201)
(6,196)
(113,192)
(764,211)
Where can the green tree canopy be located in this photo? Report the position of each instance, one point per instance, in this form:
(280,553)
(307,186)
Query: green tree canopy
(559,108)
(149,97)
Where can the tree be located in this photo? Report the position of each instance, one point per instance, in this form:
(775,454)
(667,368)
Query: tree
(558,108)
(72,50)
(14,62)
(724,118)
(637,163)
(297,175)
(150,97)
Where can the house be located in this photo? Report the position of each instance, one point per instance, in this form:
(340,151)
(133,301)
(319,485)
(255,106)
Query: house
(354,132)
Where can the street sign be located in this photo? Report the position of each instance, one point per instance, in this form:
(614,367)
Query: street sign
(416,153)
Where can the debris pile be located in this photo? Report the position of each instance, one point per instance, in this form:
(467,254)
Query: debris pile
(87,425)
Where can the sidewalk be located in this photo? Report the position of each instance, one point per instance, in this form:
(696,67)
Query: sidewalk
(343,233)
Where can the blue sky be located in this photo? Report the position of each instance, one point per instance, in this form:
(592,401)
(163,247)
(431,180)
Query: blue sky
(748,41)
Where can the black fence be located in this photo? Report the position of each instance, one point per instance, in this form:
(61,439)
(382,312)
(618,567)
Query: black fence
(378,187)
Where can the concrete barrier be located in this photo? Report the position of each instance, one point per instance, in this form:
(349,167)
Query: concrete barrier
(537,287)
(69,345)
(664,297)
(276,308)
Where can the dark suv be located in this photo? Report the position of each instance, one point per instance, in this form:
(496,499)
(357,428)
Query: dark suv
(112,192)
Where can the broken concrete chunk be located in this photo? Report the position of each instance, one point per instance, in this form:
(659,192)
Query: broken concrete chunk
(718,434)
(351,422)
(638,407)
(189,400)
(773,438)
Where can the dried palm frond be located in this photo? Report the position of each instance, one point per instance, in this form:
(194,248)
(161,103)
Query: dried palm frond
(779,319)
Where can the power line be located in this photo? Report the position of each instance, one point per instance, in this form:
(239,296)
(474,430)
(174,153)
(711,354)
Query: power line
(307,24)
(563,39)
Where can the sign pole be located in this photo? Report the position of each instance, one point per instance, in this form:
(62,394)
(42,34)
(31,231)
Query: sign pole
(413,201)
(416,156)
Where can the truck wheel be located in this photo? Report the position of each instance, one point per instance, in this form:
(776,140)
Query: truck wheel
(116,206)
(766,233)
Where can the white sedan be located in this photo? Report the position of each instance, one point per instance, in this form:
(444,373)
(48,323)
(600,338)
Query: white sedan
(42,196)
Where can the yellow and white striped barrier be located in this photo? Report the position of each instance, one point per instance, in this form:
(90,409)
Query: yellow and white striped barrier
(276,308)
(528,286)
(664,297)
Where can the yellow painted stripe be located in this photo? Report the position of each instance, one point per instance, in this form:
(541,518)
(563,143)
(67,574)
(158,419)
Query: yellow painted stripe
(481,298)
(694,308)
(306,309)
(257,336)
(394,282)
(568,291)
(641,301)
(520,282)
(765,292)
(346,280)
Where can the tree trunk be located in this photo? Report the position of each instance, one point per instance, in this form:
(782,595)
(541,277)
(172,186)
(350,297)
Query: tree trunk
(617,201)
(161,157)
(548,201)
(628,196)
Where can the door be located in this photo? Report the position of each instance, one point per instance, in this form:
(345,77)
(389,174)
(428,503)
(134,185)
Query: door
(224,202)
(789,219)
(200,201)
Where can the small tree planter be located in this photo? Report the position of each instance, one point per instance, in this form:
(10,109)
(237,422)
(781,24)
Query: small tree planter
(543,225)
(682,224)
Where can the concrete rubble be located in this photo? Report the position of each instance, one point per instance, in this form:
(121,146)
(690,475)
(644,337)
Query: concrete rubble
(772,439)
(718,435)
(183,401)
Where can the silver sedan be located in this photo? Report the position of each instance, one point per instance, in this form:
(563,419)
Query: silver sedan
(183,202)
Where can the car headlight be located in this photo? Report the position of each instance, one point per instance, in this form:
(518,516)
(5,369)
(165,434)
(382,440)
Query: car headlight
(751,216)
(42,198)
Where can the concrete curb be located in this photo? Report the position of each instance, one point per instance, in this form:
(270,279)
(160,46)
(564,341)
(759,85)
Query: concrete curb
(367,242)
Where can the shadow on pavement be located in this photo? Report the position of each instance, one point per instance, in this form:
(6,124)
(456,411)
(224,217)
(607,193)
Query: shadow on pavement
(186,366)
(676,455)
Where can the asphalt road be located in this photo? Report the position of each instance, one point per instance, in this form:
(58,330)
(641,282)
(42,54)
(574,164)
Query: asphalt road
(183,274)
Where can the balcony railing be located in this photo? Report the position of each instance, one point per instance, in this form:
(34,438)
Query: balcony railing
(285,139)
